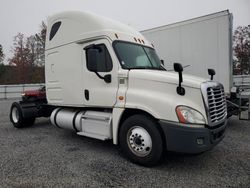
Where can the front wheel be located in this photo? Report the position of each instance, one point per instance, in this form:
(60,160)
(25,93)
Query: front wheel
(16,117)
(140,140)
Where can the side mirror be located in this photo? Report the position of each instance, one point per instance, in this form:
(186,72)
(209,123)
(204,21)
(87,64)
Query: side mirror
(107,78)
(162,61)
(211,72)
(178,68)
(93,59)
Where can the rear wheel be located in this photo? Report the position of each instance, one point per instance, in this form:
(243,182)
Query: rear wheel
(140,140)
(17,119)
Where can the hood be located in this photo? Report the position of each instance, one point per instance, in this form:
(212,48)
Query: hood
(167,77)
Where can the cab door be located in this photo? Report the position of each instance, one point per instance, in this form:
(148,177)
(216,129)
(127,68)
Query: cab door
(97,91)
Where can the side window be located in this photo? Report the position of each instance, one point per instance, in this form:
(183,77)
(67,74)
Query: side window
(54,29)
(103,59)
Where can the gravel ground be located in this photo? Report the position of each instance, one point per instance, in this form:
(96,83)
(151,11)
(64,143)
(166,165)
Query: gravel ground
(45,156)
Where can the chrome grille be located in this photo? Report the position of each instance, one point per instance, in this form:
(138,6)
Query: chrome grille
(216,103)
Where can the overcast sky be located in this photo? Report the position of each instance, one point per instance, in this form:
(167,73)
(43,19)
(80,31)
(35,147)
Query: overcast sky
(26,15)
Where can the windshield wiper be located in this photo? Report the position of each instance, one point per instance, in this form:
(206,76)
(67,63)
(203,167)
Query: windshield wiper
(162,68)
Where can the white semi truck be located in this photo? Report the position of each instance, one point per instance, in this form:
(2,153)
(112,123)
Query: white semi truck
(104,80)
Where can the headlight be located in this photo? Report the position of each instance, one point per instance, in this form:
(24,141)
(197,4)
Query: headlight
(189,115)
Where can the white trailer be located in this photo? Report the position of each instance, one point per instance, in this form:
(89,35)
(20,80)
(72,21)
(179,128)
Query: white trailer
(199,43)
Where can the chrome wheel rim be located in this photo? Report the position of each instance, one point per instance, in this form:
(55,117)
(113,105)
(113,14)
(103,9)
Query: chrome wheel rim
(15,115)
(139,141)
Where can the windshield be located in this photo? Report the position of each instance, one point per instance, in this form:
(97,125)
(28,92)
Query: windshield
(135,56)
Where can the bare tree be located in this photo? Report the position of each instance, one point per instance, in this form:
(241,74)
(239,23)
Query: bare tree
(241,47)
(28,54)
(40,39)
(1,54)
(20,57)
(2,68)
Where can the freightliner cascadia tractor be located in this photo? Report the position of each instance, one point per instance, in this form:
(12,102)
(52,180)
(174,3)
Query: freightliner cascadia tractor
(104,80)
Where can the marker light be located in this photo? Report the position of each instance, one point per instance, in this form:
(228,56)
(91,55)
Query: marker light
(121,98)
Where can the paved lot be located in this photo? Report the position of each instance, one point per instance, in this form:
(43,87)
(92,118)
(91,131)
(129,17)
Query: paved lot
(45,156)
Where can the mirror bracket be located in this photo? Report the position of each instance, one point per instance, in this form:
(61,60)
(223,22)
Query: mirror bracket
(106,78)
(211,72)
(178,68)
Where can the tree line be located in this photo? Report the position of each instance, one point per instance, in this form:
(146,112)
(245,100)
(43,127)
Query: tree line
(27,62)
(28,57)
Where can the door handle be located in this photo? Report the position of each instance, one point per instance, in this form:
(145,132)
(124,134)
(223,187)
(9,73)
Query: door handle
(86,94)
(52,67)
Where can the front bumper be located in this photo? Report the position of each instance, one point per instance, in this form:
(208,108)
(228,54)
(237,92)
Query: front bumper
(186,139)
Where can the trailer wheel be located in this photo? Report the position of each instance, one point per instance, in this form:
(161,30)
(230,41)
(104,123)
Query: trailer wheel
(140,140)
(16,117)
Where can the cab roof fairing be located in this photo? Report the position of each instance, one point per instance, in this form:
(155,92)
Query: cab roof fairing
(83,26)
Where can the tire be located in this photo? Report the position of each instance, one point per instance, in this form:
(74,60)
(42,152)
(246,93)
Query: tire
(17,119)
(140,140)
